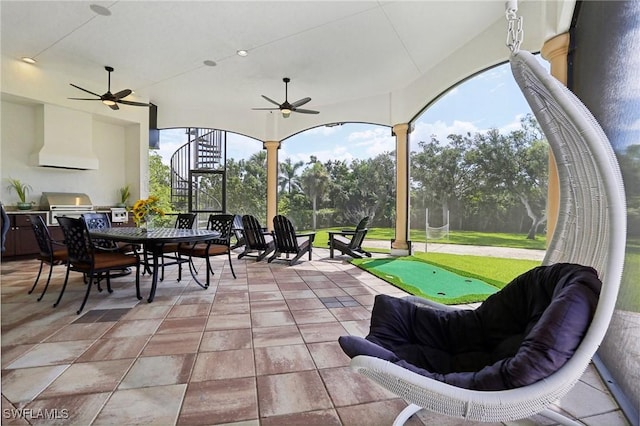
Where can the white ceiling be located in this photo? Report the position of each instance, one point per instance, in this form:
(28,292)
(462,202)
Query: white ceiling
(370,61)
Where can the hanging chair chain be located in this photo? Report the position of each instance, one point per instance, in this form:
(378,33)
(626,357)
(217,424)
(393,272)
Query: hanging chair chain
(515,32)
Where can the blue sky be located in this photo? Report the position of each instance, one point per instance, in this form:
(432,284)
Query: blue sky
(491,99)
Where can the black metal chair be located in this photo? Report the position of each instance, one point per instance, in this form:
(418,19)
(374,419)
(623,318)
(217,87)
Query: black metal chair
(85,257)
(213,247)
(98,221)
(51,252)
(257,239)
(287,241)
(170,250)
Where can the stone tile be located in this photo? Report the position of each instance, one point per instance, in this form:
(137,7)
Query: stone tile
(172,344)
(298,294)
(148,311)
(311,316)
(158,371)
(586,401)
(228,322)
(309,418)
(195,310)
(304,304)
(223,340)
(182,325)
(134,328)
(116,348)
(258,296)
(10,353)
(283,359)
(223,365)
(355,313)
(23,385)
(269,306)
(151,405)
(322,332)
(328,355)
(271,319)
(614,418)
(51,353)
(347,387)
(81,331)
(226,401)
(68,410)
(232,297)
(291,393)
(357,328)
(230,308)
(384,413)
(89,377)
(329,292)
(276,336)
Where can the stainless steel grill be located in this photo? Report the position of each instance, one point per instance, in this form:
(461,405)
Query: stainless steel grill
(69,204)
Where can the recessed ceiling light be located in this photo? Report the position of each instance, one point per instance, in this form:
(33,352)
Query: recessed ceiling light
(28,60)
(100,10)
(242,53)
(210,63)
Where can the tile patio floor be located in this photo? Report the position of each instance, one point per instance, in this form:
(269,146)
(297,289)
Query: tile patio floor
(257,350)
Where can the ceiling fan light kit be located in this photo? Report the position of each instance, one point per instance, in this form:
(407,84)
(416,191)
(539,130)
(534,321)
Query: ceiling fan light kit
(110,99)
(287,108)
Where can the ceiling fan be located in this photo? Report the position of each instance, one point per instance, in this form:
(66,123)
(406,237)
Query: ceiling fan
(110,99)
(287,108)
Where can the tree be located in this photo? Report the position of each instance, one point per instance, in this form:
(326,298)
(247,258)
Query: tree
(289,180)
(315,180)
(518,164)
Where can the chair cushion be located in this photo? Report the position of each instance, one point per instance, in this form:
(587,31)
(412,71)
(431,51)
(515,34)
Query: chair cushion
(518,336)
(202,250)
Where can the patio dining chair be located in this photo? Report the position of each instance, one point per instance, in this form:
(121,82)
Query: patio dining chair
(213,247)
(287,241)
(84,257)
(51,252)
(170,250)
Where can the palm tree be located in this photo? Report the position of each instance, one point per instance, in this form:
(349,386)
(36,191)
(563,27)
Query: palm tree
(289,179)
(315,180)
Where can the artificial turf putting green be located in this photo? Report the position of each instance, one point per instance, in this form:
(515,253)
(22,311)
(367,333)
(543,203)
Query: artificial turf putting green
(423,279)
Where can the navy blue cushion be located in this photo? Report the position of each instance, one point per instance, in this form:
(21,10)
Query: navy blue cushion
(518,336)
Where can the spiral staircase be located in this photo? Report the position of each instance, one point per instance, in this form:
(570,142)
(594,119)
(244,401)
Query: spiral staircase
(198,172)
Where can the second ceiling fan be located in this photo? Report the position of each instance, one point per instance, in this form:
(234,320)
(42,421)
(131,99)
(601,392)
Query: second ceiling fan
(287,108)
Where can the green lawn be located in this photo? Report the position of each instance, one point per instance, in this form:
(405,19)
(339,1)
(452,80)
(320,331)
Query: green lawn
(455,237)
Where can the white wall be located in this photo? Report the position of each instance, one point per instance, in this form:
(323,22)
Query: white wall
(117,146)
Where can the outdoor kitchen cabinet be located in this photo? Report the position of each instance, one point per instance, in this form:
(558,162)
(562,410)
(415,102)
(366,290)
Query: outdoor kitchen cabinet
(21,240)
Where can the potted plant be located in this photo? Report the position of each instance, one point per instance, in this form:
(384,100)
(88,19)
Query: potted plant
(22,189)
(125,193)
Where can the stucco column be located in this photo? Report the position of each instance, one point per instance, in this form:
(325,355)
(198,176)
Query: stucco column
(400,245)
(272,148)
(555,51)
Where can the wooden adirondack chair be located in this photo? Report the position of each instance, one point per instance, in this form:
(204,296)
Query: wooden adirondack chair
(256,239)
(350,246)
(289,242)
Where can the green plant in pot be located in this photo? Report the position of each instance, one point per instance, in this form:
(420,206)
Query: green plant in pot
(125,193)
(22,189)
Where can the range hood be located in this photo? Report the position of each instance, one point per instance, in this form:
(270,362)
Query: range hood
(65,137)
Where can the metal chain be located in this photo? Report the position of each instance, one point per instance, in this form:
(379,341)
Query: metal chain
(515,32)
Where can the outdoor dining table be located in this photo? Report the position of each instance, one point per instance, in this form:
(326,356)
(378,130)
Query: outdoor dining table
(152,241)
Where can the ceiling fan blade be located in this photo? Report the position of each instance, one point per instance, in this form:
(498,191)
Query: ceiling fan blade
(306,111)
(271,100)
(265,109)
(122,94)
(114,107)
(85,90)
(120,101)
(85,99)
(300,102)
